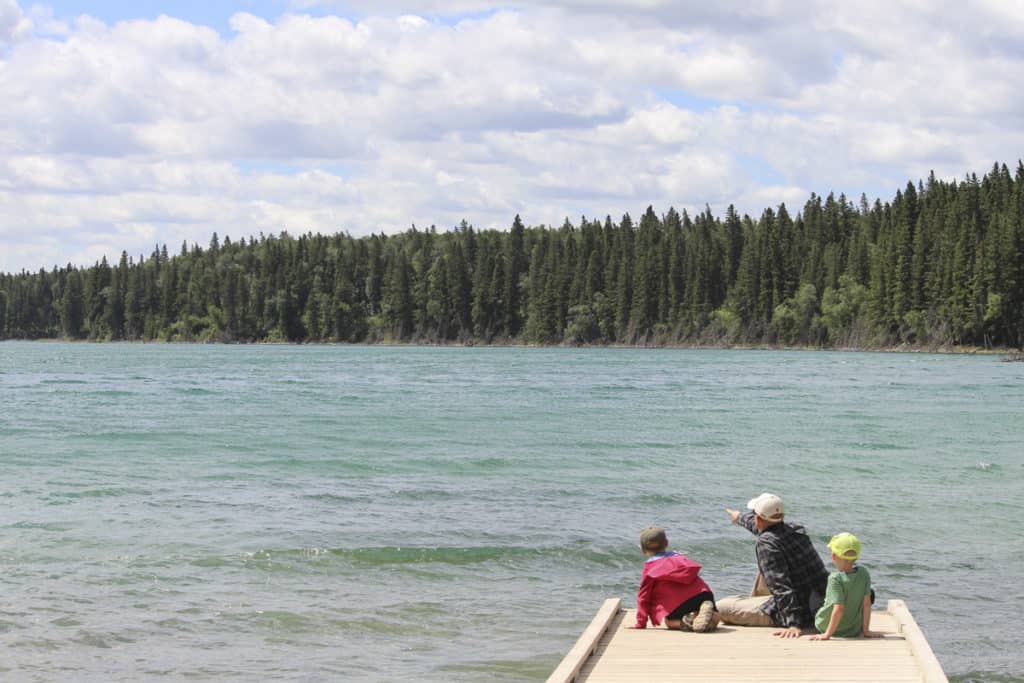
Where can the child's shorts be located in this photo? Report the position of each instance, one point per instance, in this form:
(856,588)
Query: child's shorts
(692,605)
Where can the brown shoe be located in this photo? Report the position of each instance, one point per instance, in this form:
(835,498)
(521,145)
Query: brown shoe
(705,620)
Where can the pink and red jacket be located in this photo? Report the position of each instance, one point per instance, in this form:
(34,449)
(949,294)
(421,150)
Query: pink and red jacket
(668,580)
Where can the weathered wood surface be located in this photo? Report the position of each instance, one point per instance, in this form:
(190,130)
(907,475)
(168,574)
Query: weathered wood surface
(737,654)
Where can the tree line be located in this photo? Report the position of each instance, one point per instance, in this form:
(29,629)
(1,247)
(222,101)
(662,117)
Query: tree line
(941,264)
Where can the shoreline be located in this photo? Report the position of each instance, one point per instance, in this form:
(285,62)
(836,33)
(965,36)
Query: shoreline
(1012,353)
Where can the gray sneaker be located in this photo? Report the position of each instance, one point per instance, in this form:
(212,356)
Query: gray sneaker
(705,620)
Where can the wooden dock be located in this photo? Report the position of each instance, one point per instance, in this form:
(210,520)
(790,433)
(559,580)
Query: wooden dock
(608,652)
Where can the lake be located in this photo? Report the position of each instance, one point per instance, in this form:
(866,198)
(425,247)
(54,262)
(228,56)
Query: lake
(299,513)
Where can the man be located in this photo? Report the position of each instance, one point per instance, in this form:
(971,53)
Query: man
(790,566)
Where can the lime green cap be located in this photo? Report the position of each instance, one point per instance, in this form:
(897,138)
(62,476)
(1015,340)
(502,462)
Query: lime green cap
(845,545)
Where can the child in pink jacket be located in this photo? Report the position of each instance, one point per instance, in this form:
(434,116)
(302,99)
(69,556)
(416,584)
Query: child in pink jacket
(671,589)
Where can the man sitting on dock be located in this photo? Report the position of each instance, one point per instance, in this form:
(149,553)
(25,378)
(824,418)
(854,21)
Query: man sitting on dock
(792,570)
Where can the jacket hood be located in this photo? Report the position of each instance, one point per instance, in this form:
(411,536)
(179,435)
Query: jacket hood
(675,568)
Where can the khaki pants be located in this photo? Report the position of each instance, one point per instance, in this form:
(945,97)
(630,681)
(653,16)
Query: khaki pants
(743,610)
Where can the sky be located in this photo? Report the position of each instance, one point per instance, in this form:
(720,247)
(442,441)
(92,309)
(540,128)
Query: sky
(127,125)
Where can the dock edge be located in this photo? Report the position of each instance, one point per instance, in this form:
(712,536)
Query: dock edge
(922,651)
(572,663)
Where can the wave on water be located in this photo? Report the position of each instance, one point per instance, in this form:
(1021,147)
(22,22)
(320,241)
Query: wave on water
(92,638)
(283,620)
(906,570)
(295,559)
(986,677)
(710,443)
(111,436)
(525,669)
(881,446)
(488,464)
(111,393)
(38,644)
(41,526)
(102,493)
(218,476)
(470,555)
(422,495)
(284,462)
(196,391)
(212,562)
(451,555)
(334,498)
(305,553)
(664,499)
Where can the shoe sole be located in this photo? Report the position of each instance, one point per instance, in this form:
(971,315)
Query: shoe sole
(704,622)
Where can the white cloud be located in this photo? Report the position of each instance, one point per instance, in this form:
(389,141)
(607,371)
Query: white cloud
(115,136)
(14,25)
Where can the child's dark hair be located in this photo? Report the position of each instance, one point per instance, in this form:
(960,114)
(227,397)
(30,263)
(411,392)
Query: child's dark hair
(653,538)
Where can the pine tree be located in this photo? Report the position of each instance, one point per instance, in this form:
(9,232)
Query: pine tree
(515,267)
(624,247)
(72,306)
(647,277)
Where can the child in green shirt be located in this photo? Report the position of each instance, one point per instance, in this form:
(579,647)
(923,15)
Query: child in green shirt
(846,612)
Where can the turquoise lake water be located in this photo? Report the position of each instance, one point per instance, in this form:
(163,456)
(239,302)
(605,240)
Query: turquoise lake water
(458,514)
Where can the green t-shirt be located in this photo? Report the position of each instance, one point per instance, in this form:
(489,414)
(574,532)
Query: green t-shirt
(847,590)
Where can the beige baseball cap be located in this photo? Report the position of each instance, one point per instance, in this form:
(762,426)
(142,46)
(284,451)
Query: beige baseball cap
(767,506)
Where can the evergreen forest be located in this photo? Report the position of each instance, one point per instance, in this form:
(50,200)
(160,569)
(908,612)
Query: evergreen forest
(941,264)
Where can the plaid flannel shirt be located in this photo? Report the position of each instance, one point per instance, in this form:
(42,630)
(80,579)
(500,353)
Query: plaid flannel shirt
(792,570)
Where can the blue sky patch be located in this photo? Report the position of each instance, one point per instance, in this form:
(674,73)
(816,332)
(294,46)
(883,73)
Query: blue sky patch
(455,19)
(214,14)
(251,167)
(760,170)
(687,101)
